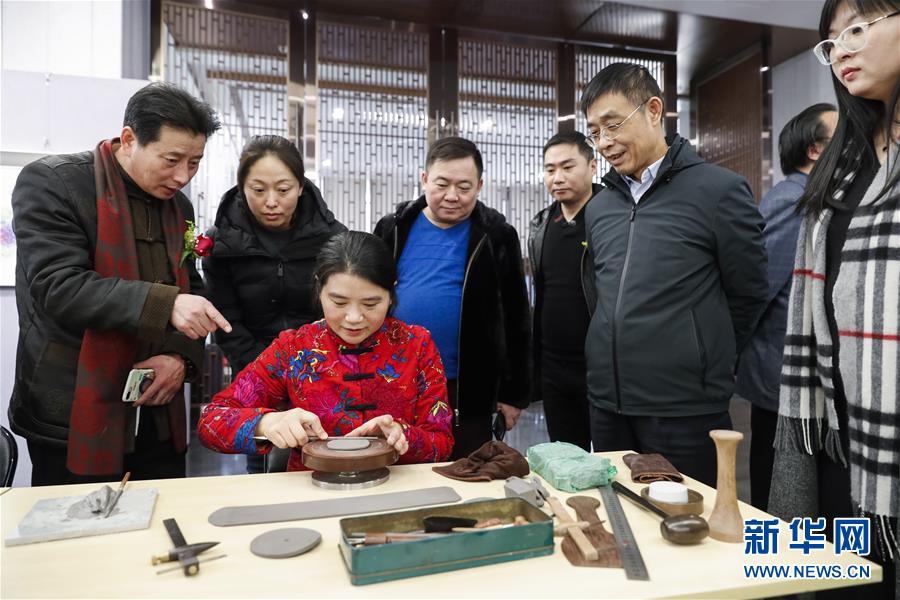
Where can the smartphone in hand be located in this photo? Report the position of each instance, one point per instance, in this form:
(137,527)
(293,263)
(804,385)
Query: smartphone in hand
(499,426)
(137,383)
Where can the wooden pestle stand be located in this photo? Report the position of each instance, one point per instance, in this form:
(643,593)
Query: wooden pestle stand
(725,522)
(584,545)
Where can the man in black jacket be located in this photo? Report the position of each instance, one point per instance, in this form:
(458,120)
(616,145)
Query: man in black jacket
(563,288)
(680,272)
(100,290)
(460,275)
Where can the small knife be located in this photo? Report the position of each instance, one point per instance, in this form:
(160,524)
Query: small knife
(178,553)
(118,494)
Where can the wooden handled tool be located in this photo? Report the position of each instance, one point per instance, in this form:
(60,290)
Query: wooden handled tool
(561,530)
(378,538)
(584,545)
(678,529)
(115,499)
(604,541)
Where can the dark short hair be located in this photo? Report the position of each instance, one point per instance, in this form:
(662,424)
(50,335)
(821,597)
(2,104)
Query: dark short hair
(158,104)
(799,134)
(575,138)
(629,79)
(356,253)
(452,148)
(281,148)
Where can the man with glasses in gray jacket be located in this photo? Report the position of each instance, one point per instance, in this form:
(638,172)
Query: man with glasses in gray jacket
(679,265)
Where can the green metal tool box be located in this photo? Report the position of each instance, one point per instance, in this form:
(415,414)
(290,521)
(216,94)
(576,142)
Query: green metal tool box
(398,560)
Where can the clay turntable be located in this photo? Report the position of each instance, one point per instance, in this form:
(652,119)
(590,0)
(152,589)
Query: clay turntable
(349,463)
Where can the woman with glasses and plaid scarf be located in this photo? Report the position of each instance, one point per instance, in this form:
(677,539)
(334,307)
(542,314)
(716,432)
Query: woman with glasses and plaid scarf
(838,438)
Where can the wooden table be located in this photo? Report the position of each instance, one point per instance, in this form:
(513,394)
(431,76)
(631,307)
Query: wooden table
(118,565)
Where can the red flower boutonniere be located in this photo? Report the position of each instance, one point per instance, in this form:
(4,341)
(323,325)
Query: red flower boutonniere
(195,245)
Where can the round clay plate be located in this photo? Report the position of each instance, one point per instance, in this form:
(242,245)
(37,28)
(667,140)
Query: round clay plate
(694,505)
(321,455)
(347,444)
(285,543)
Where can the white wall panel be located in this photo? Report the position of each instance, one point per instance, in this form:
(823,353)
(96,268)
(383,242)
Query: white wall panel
(74,37)
(796,83)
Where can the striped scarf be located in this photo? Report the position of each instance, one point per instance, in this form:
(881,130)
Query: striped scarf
(867,312)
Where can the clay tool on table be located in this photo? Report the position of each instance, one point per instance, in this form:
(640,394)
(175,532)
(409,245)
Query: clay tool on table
(725,522)
(448,524)
(186,554)
(435,526)
(388,537)
(333,507)
(177,552)
(532,491)
(285,543)
(604,541)
(349,463)
(445,524)
(632,561)
(205,560)
(118,494)
(575,533)
(678,529)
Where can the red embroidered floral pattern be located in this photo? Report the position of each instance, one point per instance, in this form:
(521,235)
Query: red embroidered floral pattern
(306,368)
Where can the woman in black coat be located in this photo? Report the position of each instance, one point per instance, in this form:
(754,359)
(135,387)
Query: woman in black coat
(268,230)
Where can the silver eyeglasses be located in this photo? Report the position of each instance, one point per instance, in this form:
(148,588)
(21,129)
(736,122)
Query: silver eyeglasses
(612,132)
(852,39)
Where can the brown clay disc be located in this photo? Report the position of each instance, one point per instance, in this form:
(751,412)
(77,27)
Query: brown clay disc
(319,457)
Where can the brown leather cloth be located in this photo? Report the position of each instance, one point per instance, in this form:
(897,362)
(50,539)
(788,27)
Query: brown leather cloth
(494,460)
(647,468)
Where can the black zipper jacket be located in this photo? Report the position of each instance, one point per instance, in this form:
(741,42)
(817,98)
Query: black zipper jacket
(536,231)
(681,281)
(59,295)
(261,293)
(494,331)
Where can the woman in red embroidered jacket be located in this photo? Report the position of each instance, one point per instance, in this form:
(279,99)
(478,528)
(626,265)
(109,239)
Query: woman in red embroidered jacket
(357,372)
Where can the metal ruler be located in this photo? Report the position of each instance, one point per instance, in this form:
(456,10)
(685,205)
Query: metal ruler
(632,561)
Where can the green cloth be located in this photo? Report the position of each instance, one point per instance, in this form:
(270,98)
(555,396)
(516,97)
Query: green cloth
(569,468)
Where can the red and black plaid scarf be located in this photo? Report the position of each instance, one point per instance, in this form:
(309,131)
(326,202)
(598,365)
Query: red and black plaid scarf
(97,422)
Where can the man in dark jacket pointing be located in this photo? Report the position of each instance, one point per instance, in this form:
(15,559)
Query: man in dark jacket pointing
(680,270)
(102,288)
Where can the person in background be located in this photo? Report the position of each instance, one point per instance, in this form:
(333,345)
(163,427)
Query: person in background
(357,372)
(267,233)
(800,145)
(563,288)
(837,453)
(461,277)
(679,264)
(101,289)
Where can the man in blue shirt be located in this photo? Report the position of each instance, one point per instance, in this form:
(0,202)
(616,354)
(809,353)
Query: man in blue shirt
(460,275)
(759,371)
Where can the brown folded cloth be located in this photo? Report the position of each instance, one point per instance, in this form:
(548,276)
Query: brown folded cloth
(647,468)
(494,460)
